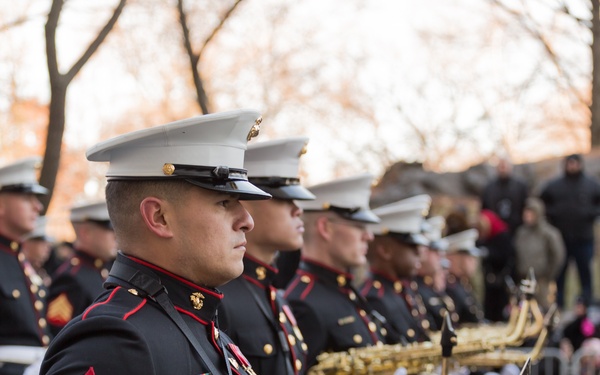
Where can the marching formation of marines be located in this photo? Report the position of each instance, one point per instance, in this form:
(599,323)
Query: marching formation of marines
(199,212)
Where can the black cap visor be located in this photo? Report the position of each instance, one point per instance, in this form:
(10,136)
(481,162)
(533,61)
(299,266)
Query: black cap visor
(438,246)
(25,188)
(416,239)
(289,192)
(220,178)
(354,214)
(243,188)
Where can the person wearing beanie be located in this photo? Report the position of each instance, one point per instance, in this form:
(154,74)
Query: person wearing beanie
(539,246)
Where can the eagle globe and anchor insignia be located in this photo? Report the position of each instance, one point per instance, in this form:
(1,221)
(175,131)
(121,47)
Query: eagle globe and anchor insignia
(197,300)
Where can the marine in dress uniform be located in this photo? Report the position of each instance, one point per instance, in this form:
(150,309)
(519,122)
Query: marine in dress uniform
(78,281)
(432,275)
(330,312)
(173,195)
(37,249)
(23,329)
(254,313)
(463,256)
(394,260)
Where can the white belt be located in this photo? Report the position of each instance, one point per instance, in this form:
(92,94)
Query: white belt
(24,355)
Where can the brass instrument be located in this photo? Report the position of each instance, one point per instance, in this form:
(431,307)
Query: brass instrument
(486,345)
(503,356)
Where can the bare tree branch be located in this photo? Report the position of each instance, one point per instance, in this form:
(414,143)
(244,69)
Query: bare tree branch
(202,97)
(17,22)
(535,32)
(93,47)
(218,27)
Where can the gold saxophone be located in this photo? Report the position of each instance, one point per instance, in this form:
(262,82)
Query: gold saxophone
(480,346)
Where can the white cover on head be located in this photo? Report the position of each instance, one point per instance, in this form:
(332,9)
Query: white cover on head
(404,216)
(96,211)
(22,172)
(463,242)
(279,157)
(207,151)
(349,193)
(218,139)
(40,230)
(434,228)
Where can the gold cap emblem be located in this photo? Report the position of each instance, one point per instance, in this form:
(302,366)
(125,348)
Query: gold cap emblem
(168,169)
(255,129)
(304,150)
(197,300)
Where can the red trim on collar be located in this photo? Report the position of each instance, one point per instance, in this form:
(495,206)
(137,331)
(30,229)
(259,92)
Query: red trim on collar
(348,275)
(271,268)
(178,278)
(385,276)
(255,282)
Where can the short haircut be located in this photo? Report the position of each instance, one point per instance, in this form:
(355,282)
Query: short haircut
(123,198)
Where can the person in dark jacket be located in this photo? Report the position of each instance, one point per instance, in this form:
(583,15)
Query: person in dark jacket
(174,197)
(394,259)
(572,205)
(78,281)
(432,276)
(497,264)
(24,333)
(254,313)
(463,257)
(331,313)
(505,195)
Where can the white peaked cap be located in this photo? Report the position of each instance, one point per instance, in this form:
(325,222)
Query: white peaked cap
(21,176)
(39,232)
(96,211)
(434,227)
(463,242)
(348,197)
(403,219)
(274,167)
(207,151)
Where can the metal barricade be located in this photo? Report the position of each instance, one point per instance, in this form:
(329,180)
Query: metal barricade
(585,362)
(552,362)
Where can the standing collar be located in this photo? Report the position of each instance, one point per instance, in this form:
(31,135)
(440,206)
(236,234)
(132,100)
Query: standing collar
(326,274)
(89,260)
(188,298)
(259,272)
(393,283)
(9,246)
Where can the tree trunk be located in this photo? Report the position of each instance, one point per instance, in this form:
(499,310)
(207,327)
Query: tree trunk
(58,91)
(56,127)
(595,100)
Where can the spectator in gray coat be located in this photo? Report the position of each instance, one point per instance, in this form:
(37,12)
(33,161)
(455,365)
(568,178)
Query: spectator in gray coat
(539,245)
